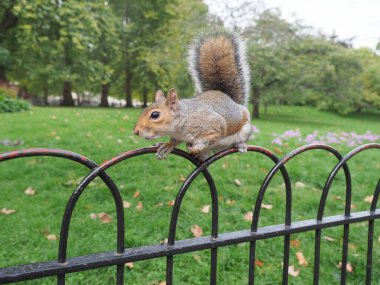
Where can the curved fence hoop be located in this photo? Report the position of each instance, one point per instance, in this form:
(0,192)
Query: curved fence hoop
(189,180)
(106,179)
(322,203)
(185,186)
(330,179)
(30,152)
(281,163)
(100,169)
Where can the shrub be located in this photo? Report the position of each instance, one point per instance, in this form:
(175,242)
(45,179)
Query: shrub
(9,105)
(9,92)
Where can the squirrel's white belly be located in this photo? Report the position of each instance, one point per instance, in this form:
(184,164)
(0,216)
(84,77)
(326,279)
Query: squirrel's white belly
(231,140)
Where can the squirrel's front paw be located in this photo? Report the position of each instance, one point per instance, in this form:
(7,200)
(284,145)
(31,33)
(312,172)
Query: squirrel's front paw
(241,147)
(163,151)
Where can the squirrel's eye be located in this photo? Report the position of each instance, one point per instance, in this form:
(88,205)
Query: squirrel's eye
(155,115)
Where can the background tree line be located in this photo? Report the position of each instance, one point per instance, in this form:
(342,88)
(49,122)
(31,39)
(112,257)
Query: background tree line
(128,49)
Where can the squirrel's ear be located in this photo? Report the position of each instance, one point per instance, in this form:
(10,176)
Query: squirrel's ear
(159,96)
(172,100)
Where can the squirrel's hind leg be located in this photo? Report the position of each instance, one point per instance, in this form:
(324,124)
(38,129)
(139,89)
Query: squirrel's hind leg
(200,150)
(241,147)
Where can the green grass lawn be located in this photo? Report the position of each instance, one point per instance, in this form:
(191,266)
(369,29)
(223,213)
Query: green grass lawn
(101,134)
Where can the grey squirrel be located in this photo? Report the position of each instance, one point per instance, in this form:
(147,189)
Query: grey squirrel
(217,117)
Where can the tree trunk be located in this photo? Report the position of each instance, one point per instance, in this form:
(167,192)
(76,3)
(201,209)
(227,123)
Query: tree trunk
(3,77)
(46,94)
(128,91)
(256,102)
(67,96)
(104,96)
(145,97)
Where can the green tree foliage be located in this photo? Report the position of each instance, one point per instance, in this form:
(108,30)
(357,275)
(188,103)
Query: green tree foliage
(56,45)
(8,21)
(268,42)
(132,48)
(155,37)
(370,76)
(291,66)
(326,75)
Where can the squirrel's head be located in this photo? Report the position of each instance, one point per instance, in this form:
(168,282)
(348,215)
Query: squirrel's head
(156,120)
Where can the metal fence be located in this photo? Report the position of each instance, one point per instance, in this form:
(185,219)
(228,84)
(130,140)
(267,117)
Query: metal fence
(121,255)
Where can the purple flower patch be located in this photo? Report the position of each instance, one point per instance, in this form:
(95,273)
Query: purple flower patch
(350,139)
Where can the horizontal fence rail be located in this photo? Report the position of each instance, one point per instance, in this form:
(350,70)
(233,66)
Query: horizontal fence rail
(173,247)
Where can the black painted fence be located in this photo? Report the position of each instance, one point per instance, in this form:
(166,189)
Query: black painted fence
(121,255)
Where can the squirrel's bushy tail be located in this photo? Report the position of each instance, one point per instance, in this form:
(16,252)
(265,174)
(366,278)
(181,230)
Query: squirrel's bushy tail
(217,62)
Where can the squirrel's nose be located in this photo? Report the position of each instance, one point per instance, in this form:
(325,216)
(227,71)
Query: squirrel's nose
(136,131)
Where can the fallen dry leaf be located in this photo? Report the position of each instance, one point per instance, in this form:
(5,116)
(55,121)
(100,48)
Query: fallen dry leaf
(162,283)
(197,257)
(159,205)
(30,191)
(206,209)
(237,182)
(248,216)
(266,206)
(258,262)
(6,211)
(292,271)
(126,204)
(353,206)
(129,265)
(277,150)
(139,206)
(51,237)
(225,165)
(126,117)
(230,202)
(197,231)
(378,239)
(295,243)
(182,178)
(93,216)
(171,203)
(263,170)
(137,193)
(104,218)
(368,199)
(301,259)
(165,241)
(349,267)
(328,238)
(352,246)
(337,197)
(299,184)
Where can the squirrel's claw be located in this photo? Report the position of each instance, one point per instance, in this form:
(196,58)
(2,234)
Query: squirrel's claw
(163,151)
(241,147)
